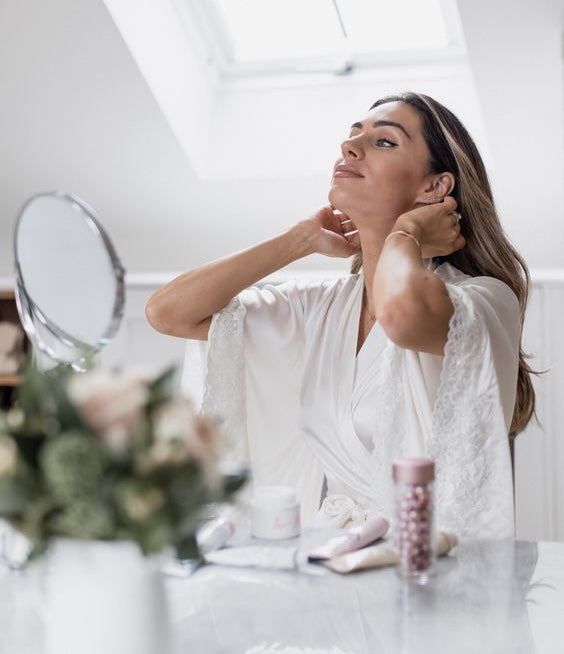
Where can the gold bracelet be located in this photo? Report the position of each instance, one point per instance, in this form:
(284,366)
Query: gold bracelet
(400,231)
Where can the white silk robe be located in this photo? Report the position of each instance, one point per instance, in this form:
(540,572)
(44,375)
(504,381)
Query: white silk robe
(296,401)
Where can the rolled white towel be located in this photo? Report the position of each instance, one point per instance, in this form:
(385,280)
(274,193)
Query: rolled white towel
(340,511)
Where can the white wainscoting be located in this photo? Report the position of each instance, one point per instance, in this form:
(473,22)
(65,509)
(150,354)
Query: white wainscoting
(539,450)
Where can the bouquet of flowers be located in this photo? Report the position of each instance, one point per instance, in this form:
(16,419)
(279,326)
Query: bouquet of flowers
(108,456)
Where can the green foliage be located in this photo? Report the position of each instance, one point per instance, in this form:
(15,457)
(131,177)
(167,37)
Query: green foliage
(72,466)
(161,389)
(65,473)
(84,518)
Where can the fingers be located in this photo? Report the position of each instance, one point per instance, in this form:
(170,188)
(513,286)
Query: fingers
(347,227)
(329,219)
(459,243)
(448,207)
(349,231)
(449,204)
(338,246)
(354,240)
(339,236)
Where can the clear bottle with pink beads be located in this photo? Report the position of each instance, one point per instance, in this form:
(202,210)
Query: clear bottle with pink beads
(414,527)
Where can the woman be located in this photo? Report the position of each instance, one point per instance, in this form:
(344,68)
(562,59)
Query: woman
(416,353)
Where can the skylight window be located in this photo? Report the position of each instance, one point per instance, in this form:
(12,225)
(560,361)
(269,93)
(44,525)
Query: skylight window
(247,33)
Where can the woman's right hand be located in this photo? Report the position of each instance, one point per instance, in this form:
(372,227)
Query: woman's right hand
(327,232)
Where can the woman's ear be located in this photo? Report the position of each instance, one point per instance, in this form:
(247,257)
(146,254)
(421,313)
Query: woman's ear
(436,188)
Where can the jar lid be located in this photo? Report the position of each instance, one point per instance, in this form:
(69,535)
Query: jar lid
(413,471)
(274,496)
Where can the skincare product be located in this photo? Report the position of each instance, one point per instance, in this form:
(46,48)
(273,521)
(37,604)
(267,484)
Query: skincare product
(352,539)
(414,515)
(275,513)
(383,554)
(215,534)
(255,556)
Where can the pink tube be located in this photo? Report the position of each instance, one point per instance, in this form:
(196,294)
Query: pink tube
(352,539)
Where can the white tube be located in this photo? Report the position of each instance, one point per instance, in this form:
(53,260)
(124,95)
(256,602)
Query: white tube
(353,539)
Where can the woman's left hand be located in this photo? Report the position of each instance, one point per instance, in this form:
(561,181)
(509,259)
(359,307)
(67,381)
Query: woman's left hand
(435,226)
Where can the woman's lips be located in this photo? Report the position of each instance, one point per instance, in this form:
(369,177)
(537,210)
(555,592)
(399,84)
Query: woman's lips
(346,171)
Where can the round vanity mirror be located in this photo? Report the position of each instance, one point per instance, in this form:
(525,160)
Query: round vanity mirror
(69,280)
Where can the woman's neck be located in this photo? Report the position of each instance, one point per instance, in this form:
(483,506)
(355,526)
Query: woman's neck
(371,245)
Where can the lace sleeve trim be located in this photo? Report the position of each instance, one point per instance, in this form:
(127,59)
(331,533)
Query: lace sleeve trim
(473,493)
(471,459)
(225,388)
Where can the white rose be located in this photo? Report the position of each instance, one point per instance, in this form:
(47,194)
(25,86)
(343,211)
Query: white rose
(180,434)
(110,404)
(179,429)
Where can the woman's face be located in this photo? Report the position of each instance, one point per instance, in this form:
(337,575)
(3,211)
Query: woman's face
(383,170)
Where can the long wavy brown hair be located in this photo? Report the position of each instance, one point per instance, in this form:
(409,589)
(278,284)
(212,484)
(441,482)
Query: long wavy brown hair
(487,250)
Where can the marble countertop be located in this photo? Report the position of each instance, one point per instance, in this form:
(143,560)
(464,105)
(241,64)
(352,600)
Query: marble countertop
(501,597)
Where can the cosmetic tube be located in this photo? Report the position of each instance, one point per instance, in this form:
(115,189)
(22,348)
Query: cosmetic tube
(215,534)
(255,556)
(353,539)
(384,554)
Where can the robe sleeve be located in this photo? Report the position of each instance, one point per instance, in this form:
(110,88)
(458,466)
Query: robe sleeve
(254,374)
(473,410)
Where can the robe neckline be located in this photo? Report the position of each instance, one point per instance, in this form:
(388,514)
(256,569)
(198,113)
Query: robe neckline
(346,359)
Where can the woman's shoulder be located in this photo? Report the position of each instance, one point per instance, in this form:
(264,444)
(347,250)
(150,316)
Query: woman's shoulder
(316,284)
(303,290)
(489,288)
(452,275)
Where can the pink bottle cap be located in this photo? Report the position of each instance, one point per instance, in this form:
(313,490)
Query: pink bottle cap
(413,471)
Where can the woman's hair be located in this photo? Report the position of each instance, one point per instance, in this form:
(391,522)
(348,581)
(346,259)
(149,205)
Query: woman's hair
(487,250)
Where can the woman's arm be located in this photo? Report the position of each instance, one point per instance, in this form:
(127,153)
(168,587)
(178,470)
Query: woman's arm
(411,302)
(185,305)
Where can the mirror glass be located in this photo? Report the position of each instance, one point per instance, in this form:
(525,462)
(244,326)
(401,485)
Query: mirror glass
(69,280)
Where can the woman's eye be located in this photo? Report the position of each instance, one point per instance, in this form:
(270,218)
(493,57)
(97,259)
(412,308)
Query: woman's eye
(385,143)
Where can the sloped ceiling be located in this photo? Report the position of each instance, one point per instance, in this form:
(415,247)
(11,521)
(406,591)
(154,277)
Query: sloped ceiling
(182,169)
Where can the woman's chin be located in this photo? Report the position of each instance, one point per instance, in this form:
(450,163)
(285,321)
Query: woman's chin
(338,200)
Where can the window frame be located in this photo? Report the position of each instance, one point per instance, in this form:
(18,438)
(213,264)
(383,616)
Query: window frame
(216,42)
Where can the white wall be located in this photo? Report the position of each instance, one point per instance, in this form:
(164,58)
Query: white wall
(515,52)
(76,115)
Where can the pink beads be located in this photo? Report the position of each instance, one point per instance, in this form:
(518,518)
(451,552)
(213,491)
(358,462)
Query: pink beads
(415,528)
(413,479)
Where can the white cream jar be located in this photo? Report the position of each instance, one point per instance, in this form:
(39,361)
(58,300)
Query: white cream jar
(275,513)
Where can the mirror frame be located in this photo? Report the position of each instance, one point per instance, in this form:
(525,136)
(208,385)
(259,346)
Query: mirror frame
(28,309)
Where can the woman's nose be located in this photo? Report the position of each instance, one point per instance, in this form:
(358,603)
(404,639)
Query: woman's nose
(351,149)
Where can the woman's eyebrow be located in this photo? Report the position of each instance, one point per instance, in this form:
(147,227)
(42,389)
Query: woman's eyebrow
(385,123)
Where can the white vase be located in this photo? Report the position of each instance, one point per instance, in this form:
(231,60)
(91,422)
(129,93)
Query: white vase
(103,598)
